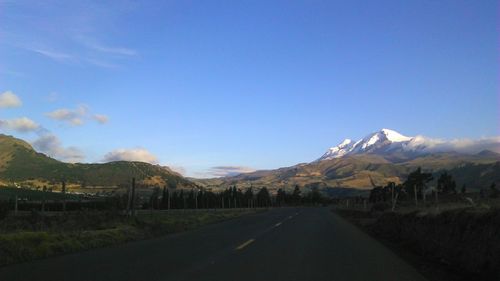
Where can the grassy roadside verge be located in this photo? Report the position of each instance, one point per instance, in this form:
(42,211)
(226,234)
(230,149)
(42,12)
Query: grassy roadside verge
(460,244)
(29,238)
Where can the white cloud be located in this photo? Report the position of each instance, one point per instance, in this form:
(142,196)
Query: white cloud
(51,145)
(457,145)
(100,118)
(76,117)
(71,116)
(22,124)
(227,171)
(133,154)
(9,99)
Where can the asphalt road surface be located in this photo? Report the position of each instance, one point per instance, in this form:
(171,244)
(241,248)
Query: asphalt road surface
(283,244)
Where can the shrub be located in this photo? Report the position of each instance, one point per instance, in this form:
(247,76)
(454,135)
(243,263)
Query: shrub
(4,209)
(380,207)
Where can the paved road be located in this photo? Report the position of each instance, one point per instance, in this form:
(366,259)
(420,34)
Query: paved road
(285,244)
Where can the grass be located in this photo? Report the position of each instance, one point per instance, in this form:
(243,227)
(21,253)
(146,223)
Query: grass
(29,238)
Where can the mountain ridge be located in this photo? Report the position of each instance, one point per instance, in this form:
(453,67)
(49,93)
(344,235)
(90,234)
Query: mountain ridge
(382,156)
(21,164)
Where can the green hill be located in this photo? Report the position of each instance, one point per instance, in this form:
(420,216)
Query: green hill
(21,164)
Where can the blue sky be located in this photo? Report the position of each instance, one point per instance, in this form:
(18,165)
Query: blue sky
(257,84)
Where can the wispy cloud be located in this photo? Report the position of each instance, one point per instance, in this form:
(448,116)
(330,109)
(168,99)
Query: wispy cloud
(8,100)
(52,97)
(178,169)
(22,125)
(76,33)
(97,46)
(12,73)
(101,63)
(55,55)
(131,154)
(227,171)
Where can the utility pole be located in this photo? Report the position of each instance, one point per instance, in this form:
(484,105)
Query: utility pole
(15,206)
(415,191)
(168,202)
(423,195)
(183,202)
(129,193)
(132,200)
(392,194)
(437,199)
(196,199)
(63,189)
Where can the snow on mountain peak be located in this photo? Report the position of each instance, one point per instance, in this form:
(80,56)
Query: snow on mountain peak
(345,143)
(380,140)
(394,136)
(339,150)
(386,141)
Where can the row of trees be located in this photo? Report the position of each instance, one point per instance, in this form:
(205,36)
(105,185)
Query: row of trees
(416,187)
(230,198)
(172,198)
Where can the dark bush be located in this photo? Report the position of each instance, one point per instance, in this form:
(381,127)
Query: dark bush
(380,207)
(4,209)
(466,239)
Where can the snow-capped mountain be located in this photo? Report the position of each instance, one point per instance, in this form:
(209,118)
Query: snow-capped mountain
(389,142)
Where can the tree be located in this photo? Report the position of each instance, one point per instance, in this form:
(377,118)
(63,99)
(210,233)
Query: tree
(416,182)
(446,184)
(296,197)
(464,189)
(164,198)
(494,191)
(376,195)
(4,209)
(248,197)
(315,196)
(153,200)
(263,197)
(280,197)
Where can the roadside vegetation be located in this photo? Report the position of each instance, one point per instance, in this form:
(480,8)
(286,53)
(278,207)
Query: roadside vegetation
(25,238)
(41,223)
(430,217)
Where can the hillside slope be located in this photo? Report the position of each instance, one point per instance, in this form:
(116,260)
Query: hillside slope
(358,171)
(379,158)
(21,164)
